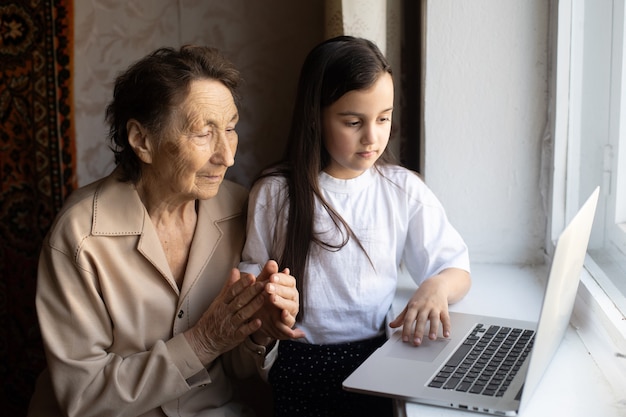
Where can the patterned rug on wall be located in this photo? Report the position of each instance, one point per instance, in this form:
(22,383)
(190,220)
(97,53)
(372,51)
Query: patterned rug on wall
(36,173)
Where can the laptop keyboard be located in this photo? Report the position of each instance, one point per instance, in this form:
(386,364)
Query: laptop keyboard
(486,362)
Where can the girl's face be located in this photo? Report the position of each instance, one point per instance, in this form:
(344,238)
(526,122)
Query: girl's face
(356,128)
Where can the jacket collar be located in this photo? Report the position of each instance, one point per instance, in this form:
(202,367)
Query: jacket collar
(121,198)
(118,210)
(227,204)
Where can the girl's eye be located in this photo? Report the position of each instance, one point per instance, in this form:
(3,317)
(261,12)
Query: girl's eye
(352,123)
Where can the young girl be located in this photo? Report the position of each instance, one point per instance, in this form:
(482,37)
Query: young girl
(343,218)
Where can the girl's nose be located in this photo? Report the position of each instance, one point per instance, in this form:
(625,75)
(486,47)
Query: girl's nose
(369,135)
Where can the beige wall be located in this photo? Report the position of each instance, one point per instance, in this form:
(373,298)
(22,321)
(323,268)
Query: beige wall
(267,40)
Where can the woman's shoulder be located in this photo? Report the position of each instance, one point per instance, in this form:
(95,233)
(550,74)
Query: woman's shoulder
(232,190)
(81,200)
(231,200)
(75,219)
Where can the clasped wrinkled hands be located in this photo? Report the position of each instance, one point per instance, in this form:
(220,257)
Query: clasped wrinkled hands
(263,307)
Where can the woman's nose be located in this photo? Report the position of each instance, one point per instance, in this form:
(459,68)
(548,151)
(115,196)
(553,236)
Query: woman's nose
(223,154)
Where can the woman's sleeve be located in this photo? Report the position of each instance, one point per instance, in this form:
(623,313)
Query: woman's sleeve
(77,331)
(249,359)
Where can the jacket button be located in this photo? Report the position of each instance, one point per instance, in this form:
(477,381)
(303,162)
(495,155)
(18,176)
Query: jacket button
(181,313)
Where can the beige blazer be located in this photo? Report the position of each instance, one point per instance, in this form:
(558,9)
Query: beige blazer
(112,316)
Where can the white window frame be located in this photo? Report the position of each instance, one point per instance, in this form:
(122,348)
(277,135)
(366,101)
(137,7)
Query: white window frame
(599,321)
(616,154)
(614,160)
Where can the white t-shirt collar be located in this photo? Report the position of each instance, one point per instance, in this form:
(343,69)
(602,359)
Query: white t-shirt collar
(352,185)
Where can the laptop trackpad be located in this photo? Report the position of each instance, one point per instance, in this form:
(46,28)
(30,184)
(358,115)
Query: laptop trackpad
(426,352)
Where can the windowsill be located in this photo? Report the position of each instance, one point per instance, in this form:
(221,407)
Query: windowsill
(587,348)
(601,326)
(607,266)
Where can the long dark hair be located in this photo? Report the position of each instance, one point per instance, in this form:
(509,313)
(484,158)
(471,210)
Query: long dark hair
(332,68)
(151,90)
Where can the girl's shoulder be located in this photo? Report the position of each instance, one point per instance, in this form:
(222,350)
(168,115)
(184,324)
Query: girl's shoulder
(399,171)
(408,183)
(403,177)
(269,185)
(270,180)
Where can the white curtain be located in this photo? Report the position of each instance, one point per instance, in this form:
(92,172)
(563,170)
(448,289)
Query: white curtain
(363,18)
(376,20)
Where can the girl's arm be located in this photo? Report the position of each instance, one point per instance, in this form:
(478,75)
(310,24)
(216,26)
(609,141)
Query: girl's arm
(430,303)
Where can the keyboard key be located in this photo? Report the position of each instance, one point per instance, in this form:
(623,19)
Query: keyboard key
(452,383)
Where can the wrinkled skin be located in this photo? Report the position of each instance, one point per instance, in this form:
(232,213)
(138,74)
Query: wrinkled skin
(264,308)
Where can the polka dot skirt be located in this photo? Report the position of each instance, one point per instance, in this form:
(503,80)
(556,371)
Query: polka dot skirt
(306,380)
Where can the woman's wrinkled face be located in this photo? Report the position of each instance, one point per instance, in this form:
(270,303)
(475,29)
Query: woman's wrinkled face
(192,159)
(356,128)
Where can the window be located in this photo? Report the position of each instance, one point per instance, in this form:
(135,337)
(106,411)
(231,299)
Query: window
(604,63)
(596,140)
(589,146)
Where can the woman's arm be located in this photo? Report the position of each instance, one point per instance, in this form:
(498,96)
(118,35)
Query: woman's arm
(88,377)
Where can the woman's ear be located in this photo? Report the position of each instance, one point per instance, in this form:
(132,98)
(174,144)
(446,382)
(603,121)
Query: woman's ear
(139,141)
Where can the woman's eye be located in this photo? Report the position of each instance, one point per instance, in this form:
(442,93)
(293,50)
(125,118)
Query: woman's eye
(201,138)
(205,133)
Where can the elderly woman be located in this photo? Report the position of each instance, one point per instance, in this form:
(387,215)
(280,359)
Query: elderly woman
(141,309)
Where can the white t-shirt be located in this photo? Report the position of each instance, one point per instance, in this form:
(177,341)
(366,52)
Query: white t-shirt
(397,219)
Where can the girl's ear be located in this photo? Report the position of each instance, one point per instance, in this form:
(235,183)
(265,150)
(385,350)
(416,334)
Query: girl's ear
(139,141)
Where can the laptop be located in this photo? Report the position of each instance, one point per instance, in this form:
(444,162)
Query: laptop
(490,365)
